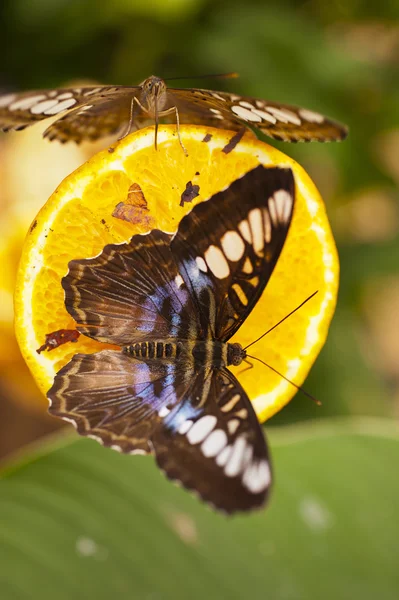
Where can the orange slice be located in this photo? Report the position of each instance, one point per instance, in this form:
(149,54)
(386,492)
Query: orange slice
(30,168)
(79,220)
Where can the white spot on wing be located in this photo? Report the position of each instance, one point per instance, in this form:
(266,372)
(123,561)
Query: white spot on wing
(268,226)
(234,463)
(41,107)
(64,96)
(247,267)
(245,114)
(265,116)
(257,477)
(185,426)
(26,103)
(223,457)
(231,403)
(6,100)
(218,97)
(163,412)
(61,106)
(283,204)
(232,245)
(214,443)
(273,211)
(201,429)
(255,221)
(217,262)
(284,115)
(246,104)
(201,264)
(245,231)
(240,293)
(179,281)
(94,91)
(310,116)
(233,425)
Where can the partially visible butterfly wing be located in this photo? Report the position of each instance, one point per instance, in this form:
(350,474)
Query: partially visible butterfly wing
(282,122)
(107,107)
(227,247)
(212,443)
(115,398)
(130,292)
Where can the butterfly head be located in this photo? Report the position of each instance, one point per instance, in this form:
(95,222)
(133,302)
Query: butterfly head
(235,354)
(153,88)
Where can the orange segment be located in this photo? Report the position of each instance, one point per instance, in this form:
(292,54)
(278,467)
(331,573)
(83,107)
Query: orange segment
(77,222)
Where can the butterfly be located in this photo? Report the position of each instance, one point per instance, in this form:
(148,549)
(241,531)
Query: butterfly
(97,111)
(171,302)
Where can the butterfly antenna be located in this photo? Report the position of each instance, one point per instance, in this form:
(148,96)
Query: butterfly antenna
(211,76)
(282,320)
(298,387)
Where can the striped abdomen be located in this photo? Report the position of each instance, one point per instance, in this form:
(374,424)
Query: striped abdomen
(169,350)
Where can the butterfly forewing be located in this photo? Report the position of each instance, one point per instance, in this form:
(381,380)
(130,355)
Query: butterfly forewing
(91,112)
(94,112)
(130,292)
(283,122)
(227,248)
(172,301)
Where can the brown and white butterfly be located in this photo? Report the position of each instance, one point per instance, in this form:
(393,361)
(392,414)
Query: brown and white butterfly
(97,111)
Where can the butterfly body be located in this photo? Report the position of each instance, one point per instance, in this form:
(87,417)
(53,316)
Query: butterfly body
(97,111)
(172,303)
(207,353)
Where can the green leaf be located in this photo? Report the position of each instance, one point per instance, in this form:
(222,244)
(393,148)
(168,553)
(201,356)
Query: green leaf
(80,521)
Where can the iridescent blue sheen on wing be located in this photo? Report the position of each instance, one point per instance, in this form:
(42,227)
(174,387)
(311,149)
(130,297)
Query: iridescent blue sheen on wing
(172,302)
(115,397)
(130,292)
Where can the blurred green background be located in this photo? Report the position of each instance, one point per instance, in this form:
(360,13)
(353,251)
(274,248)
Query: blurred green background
(77,521)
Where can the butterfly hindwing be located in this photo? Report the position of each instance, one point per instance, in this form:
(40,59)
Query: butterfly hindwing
(130,292)
(227,247)
(212,443)
(115,398)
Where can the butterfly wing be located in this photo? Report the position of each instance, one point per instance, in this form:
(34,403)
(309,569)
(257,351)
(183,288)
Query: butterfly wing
(130,292)
(91,111)
(227,247)
(282,122)
(212,443)
(201,426)
(115,398)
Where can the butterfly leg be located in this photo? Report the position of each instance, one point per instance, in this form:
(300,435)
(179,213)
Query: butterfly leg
(251,366)
(131,118)
(169,112)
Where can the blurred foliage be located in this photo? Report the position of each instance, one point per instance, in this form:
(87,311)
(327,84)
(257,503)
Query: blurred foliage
(79,521)
(339,58)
